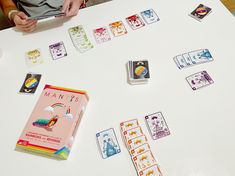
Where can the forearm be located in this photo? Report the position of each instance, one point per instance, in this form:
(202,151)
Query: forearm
(7,6)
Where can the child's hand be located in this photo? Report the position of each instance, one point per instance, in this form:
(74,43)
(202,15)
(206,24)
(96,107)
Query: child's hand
(21,22)
(71,7)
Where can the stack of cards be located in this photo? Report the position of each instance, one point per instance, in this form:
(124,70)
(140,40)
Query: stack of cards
(199,80)
(150,16)
(200,12)
(118,28)
(139,149)
(33,58)
(108,143)
(80,39)
(58,50)
(157,125)
(138,72)
(193,58)
(31,83)
(101,35)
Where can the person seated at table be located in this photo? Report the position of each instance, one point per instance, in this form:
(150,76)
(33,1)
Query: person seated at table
(19,17)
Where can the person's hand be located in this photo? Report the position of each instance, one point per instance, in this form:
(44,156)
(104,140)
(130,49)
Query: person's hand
(71,7)
(21,22)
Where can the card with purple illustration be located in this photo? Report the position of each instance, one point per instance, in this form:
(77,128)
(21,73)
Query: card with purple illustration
(108,143)
(58,50)
(199,80)
(157,125)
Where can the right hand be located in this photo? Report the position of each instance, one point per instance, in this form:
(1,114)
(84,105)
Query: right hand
(21,22)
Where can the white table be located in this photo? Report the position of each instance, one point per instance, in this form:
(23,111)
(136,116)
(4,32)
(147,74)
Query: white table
(201,122)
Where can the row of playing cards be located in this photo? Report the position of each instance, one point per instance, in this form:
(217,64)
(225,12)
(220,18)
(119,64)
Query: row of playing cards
(200,12)
(34,57)
(118,28)
(139,149)
(108,143)
(80,39)
(138,72)
(199,80)
(193,58)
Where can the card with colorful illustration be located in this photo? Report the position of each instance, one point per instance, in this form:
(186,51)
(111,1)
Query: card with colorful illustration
(58,50)
(80,39)
(144,160)
(31,83)
(132,133)
(108,143)
(118,28)
(101,35)
(150,16)
(33,58)
(136,142)
(151,171)
(139,150)
(127,125)
(200,12)
(157,125)
(141,69)
(135,22)
(199,80)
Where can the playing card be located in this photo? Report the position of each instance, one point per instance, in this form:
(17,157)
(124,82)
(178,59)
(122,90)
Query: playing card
(80,39)
(151,171)
(144,160)
(187,59)
(31,83)
(118,28)
(157,125)
(135,21)
(101,35)
(141,69)
(108,143)
(136,142)
(58,50)
(40,17)
(199,80)
(150,16)
(180,61)
(132,133)
(33,58)
(200,12)
(127,125)
(139,150)
(200,56)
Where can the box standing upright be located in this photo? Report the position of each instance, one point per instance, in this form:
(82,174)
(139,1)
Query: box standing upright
(53,124)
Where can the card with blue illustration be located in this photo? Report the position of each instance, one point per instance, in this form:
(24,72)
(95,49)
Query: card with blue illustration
(108,143)
(150,16)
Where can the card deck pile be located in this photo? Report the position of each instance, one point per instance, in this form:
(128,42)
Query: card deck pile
(80,39)
(193,58)
(108,143)
(33,58)
(199,80)
(101,35)
(58,50)
(135,22)
(118,28)
(31,83)
(139,149)
(200,12)
(157,125)
(138,72)
(150,16)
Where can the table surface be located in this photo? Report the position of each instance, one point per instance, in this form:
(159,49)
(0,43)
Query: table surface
(201,122)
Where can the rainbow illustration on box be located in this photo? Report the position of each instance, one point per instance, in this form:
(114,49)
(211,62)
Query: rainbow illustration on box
(53,124)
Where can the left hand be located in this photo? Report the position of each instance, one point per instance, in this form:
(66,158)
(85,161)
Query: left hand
(71,7)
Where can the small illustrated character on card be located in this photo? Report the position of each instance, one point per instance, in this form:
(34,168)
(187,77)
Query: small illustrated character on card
(150,16)
(58,50)
(33,58)
(108,143)
(135,22)
(101,35)
(118,28)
